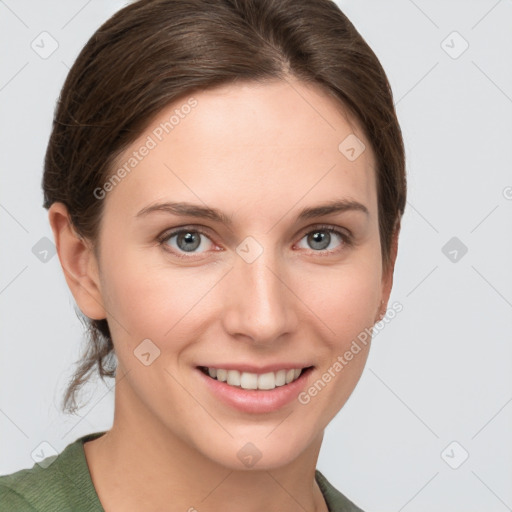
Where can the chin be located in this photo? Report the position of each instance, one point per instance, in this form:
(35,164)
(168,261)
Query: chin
(258,448)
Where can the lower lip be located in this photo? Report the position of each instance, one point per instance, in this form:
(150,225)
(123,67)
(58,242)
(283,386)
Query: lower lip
(256,401)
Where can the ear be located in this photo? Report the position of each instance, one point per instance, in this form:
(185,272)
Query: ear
(78,262)
(387,275)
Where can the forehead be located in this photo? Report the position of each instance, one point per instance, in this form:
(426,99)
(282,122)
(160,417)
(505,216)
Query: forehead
(262,144)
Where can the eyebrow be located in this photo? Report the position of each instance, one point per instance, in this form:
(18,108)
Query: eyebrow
(194,210)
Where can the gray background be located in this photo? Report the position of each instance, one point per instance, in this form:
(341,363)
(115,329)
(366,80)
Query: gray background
(439,373)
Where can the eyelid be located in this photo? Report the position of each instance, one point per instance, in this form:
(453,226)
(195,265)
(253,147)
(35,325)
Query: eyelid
(168,233)
(343,232)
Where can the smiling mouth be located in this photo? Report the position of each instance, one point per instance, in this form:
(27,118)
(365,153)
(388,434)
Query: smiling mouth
(247,380)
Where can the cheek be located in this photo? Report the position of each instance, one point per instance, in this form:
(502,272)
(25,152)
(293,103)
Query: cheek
(152,301)
(346,298)
(345,301)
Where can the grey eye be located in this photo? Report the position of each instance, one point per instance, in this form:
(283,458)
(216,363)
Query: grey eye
(188,240)
(319,240)
(322,239)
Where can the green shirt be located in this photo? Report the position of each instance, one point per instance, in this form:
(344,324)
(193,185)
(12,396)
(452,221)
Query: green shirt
(62,483)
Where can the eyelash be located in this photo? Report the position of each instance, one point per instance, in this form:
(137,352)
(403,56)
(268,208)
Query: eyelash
(346,238)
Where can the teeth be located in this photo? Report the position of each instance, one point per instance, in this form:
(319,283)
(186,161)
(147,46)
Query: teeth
(233,378)
(281,378)
(247,380)
(267,380)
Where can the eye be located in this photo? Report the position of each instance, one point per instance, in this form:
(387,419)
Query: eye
(186,241)
(325,238)
(194,241)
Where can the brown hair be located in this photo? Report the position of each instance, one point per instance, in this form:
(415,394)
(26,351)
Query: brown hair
(152,52)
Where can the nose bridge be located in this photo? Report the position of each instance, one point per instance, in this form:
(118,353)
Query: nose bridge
(261,305)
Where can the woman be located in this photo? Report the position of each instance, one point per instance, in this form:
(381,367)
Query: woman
(225,183)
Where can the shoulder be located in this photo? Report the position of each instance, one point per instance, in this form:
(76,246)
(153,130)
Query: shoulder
(29,489)
(336,501)
(11,501)
(60,482)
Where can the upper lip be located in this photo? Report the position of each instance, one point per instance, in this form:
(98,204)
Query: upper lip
(257,369)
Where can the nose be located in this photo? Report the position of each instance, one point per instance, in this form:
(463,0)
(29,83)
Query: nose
(259,305)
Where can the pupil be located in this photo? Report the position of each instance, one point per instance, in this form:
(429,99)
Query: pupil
(191,240)
(320,239)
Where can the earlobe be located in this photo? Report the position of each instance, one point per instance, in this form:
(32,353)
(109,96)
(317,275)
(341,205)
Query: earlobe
(78,263)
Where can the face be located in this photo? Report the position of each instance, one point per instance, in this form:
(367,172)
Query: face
(246,272)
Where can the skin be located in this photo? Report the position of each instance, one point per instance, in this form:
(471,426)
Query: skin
(260,153)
